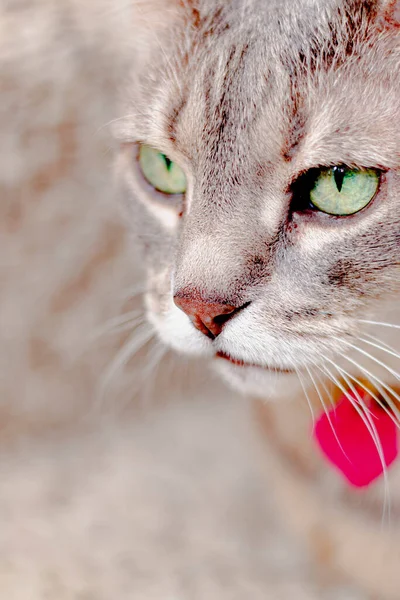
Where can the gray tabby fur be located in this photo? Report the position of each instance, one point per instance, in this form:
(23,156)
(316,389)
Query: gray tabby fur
(247,95)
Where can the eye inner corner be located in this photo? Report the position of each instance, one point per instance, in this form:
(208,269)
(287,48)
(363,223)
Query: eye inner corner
(300,189)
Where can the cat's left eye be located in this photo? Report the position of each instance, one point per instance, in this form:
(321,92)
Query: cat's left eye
(162,173)
(342,191)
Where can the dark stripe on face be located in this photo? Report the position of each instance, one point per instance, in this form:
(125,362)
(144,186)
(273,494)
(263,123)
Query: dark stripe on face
(221,115)
(297,121)
(204,26)
(222,110)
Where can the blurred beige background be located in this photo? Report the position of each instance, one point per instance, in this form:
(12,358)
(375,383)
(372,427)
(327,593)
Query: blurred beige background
(152,490)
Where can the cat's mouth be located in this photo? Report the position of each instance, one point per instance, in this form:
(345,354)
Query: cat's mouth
(242,363)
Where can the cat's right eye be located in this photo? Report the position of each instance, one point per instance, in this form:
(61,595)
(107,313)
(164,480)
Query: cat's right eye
(163,174)
(338,191)
(342,191)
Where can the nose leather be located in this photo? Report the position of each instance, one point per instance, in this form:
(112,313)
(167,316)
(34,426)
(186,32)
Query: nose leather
(207,317)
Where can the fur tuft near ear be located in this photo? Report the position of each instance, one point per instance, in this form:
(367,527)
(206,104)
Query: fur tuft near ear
(158,15)
(155,19)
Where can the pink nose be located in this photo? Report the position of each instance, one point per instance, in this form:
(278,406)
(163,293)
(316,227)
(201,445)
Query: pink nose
(207,317)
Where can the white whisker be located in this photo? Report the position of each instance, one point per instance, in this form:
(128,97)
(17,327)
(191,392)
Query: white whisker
(379,347)
(322,382)
(134,344)
(116,120)
(351,386)
(135,290)
(362,413)
(327,413)
(365,413)
(379,381)
(307,396)
(128,320)
(373,358)
(370,425)
(379,323)
(372,394)
(379,341)
(148,374)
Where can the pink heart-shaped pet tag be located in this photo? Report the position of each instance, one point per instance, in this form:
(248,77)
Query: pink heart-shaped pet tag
(346,442)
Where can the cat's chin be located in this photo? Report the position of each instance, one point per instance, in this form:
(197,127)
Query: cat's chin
(258,382)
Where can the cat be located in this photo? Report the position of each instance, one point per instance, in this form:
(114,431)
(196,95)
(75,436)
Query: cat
(259,169)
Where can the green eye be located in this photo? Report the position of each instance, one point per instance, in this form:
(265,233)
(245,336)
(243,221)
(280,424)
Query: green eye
(162,173)
(341,191)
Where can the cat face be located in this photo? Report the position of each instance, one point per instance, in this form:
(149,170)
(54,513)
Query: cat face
(260,166)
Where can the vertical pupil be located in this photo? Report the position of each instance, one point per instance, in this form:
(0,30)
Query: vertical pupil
(168,162)
(339,174)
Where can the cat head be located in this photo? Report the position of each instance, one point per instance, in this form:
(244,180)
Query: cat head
(260,167)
